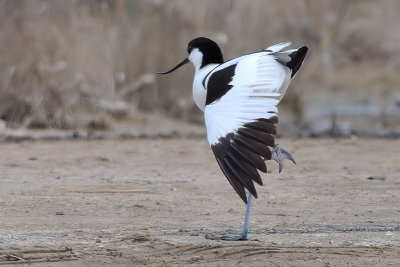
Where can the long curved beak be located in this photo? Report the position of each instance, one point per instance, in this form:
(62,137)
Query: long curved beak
(186,60)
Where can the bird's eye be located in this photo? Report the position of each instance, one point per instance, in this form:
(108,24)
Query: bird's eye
(189,49)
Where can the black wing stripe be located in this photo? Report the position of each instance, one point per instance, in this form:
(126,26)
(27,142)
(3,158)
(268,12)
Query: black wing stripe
(242,154)
(258,136)
(250,170)
(273,119)
(241,176)
(250,156)
(267,126)
(218,84)
(239,188)
(254,146)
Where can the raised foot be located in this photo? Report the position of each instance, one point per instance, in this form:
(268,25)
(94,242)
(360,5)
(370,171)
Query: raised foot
(279,154)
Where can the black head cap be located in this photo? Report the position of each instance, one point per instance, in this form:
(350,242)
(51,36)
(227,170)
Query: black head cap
(211,52)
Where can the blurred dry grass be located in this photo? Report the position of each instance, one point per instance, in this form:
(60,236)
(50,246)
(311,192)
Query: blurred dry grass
(86,63)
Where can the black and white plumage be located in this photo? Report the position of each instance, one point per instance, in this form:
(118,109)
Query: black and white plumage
(239,98)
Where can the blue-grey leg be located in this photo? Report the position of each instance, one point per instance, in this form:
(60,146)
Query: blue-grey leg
(243,235)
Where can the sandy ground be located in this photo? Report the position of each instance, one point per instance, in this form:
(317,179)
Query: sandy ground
(165,202)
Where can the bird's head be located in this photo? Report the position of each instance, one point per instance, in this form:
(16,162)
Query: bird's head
(202,51)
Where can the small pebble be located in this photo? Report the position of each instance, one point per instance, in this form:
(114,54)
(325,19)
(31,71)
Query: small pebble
(196,258)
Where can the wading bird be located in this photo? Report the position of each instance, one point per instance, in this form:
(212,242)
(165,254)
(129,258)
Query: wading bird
(239,98)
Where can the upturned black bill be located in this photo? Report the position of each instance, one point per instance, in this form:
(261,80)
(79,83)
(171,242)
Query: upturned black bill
(186,60)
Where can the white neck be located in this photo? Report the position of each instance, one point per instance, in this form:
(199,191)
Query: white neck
(199,92)
(196,57)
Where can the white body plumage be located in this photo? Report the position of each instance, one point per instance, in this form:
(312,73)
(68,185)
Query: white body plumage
(259,83)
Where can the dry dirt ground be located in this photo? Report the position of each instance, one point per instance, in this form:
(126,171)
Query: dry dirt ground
(164,202)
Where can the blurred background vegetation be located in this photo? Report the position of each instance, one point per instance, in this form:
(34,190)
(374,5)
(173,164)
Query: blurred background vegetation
(89,64)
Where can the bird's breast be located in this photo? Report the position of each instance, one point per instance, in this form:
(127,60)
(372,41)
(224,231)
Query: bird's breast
(199,94)
(200,87)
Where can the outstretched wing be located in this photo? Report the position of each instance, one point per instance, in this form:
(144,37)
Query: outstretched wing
(241,112)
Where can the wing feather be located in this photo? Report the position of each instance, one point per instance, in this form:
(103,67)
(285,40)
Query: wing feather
(240,175)
(254,146)
(241,122)
(239,188)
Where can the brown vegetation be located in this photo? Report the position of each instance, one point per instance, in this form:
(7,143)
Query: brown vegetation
(87,63)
